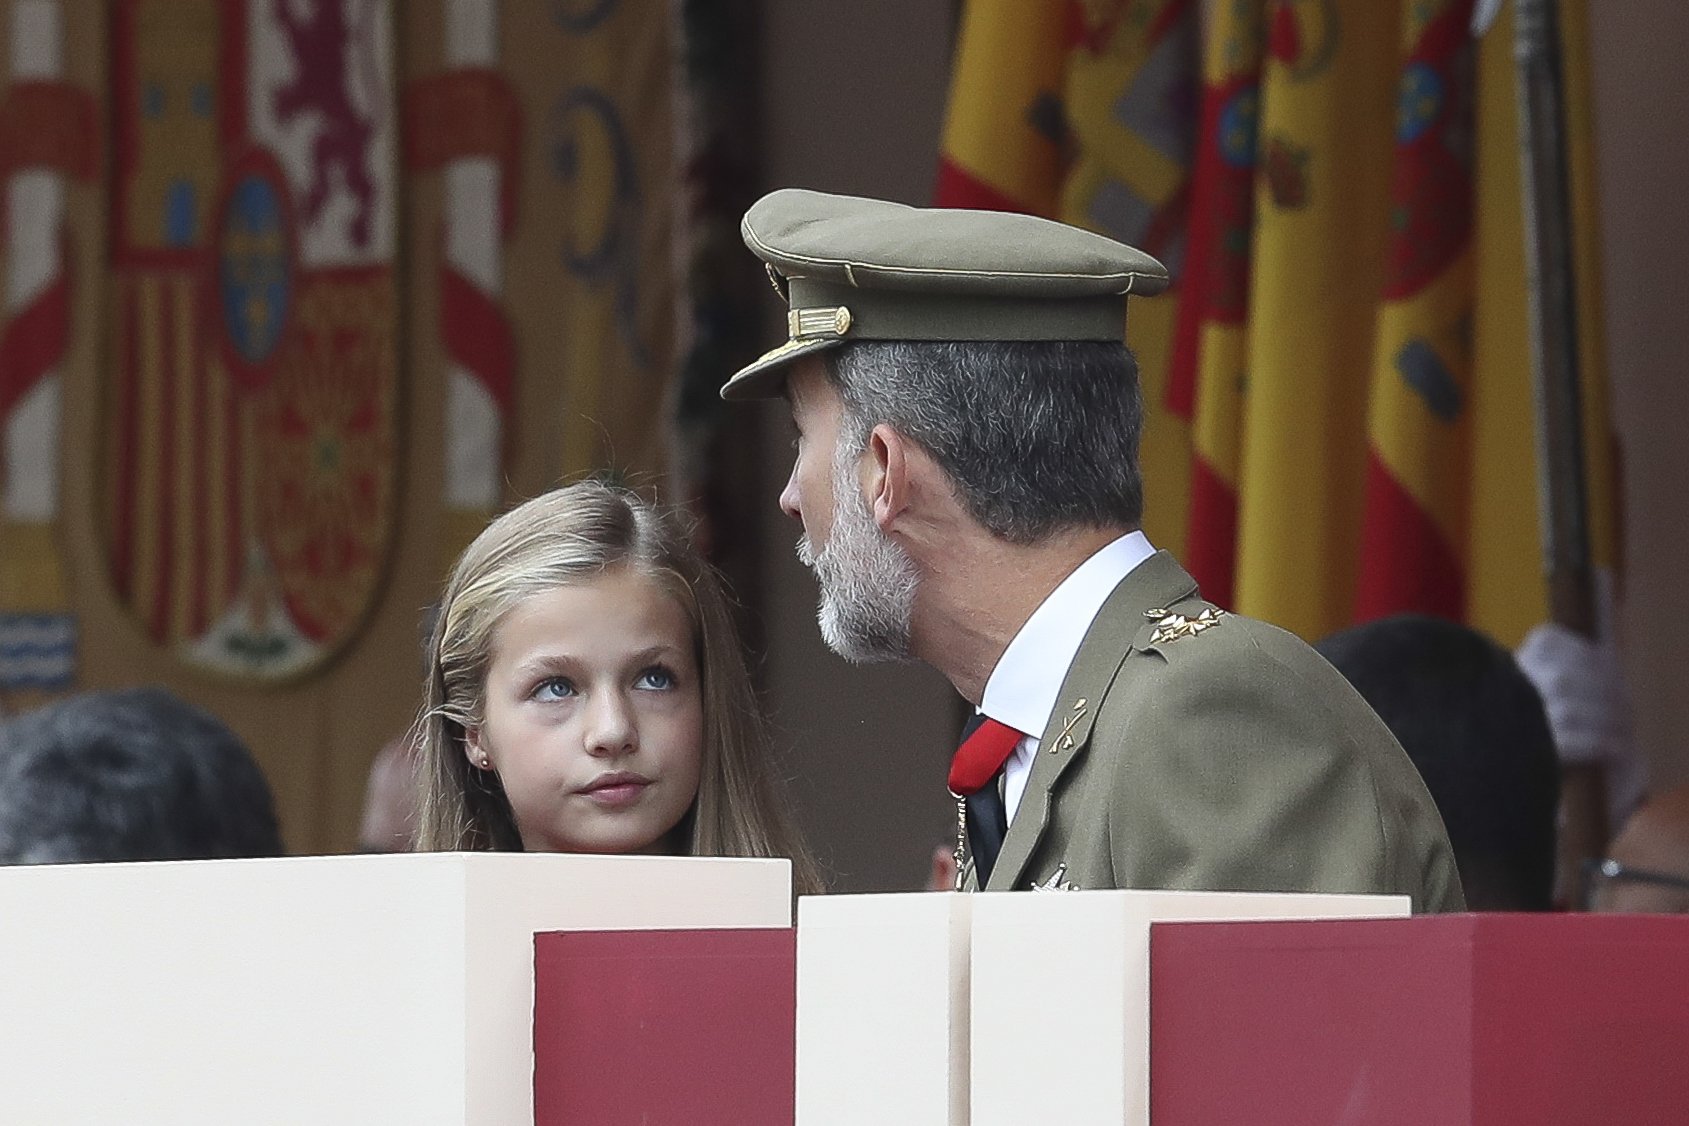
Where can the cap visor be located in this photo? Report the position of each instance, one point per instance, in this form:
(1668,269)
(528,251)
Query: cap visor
(764,378)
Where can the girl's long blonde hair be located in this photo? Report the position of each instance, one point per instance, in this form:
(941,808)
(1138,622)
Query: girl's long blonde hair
(565,536)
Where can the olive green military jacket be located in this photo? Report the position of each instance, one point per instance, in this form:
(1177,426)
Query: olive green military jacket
(1198,750)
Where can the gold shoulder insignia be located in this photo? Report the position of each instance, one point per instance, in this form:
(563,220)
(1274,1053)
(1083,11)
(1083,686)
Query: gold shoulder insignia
(1173,627)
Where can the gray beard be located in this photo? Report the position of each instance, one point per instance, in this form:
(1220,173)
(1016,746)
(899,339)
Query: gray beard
(867,582)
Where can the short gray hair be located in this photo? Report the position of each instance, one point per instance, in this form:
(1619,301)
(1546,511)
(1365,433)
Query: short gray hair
(1036,436)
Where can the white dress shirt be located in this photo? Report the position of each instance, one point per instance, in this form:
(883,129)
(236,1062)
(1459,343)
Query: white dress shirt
(1023,687)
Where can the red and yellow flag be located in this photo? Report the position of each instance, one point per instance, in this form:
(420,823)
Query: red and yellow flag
(1322,212)
(1345,401)
(1084,111)
(1003,129)
(1419,421)
(1452,513)
(1210,361)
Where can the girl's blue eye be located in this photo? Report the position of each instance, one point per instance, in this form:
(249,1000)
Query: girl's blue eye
(554,688)
(656,678)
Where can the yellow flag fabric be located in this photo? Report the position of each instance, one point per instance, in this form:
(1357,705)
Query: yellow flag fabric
(1322,212)
(1084,113)
(594,238)
(1002,131)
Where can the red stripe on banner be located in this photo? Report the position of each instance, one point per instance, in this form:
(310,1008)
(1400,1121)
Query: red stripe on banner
(477,336)
(33,342)
(49,125)
(956,188)
(1406,565)
(234,495)
(1094,33)
(126,143)
(123,459)
(1216,284)
(1168,223)
(1075,33)
(1170,15)
(1186,354)
(158,615)
(470,112)
(1284,39)
(1211,548)
(232,78)
(198,618)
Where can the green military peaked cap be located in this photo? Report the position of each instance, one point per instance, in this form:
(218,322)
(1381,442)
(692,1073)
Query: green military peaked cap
(865,269)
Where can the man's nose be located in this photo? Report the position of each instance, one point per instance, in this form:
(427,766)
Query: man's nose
(789,497)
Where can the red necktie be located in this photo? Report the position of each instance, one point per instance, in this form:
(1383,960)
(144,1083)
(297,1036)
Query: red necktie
(981,755)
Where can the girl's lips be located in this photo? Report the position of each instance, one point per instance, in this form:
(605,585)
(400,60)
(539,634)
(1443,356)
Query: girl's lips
(616,791)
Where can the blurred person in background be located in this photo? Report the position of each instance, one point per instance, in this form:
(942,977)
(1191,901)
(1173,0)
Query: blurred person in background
(390,799)
(393,794)
(1476,728)
(1589,710)
(1647,866)
(132,774)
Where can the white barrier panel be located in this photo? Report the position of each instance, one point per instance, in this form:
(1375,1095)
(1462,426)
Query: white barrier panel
(1060,1014)
(883,1009)
(356,989)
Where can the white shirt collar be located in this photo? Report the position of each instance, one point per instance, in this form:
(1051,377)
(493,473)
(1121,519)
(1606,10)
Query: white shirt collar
(1022,689)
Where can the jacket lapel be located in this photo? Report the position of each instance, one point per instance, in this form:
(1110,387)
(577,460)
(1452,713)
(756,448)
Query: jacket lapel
(1155,584)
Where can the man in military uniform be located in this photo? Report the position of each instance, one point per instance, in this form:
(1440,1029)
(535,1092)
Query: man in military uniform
(968,485)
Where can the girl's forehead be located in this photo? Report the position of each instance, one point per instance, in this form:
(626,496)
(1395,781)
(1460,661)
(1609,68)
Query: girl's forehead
(621,581)
(605,611)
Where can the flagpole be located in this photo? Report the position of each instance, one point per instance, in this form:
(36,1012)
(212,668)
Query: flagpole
(1562,491)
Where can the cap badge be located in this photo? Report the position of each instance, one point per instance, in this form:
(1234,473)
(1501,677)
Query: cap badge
(807,324)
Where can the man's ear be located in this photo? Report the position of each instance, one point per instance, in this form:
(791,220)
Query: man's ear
(886,481)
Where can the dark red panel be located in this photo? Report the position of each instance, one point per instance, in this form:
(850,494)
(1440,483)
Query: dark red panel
(1582,1019)
(690,1028)
(1464,1020)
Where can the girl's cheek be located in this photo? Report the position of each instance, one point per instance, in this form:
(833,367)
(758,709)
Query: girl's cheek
(678,702)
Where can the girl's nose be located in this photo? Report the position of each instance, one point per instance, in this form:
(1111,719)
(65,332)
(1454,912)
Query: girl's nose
(611,728)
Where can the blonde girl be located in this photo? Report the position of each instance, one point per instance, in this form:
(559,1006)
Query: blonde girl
(587,692)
